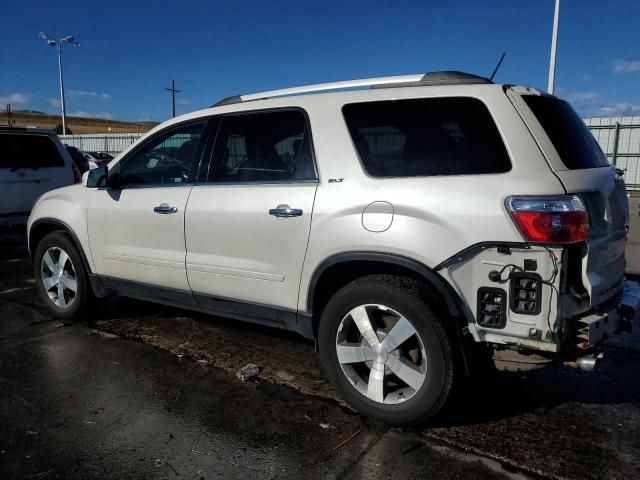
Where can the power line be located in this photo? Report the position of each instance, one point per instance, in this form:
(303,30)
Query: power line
(173,95)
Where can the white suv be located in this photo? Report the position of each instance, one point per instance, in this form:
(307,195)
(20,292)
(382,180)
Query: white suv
(409,228)
(32,162)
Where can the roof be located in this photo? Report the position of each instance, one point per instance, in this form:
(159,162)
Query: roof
(417,80)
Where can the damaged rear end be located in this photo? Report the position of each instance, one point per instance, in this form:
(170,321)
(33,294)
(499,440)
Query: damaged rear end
(563,292)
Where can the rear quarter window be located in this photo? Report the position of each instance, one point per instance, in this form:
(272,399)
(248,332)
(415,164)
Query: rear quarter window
(28,151)
(568,133)
(426,137)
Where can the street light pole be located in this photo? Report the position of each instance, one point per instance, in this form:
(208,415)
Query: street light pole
(554,47)
(52,42)
(64,114)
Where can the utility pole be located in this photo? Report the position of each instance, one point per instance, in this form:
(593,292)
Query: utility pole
(10,121)
(173,96)
(554,47)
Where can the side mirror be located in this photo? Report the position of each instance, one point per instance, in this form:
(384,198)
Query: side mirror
(96,178)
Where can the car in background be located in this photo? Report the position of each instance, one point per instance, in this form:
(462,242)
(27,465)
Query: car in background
(81,162)
(93,163)
(32,162)
(101,158)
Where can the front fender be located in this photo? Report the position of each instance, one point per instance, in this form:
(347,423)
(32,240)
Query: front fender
(67,209)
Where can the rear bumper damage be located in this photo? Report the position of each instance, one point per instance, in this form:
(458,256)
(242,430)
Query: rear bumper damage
(559,322)
(598,326)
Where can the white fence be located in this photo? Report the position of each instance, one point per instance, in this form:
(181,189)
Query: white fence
(619,138)
(112,143)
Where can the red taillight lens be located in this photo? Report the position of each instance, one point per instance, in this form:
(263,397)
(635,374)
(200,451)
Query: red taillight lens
(561,219)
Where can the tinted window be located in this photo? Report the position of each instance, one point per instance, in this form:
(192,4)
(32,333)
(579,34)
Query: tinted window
(425,137)
(262,147)
(166,159)
(28,151)
(570,136)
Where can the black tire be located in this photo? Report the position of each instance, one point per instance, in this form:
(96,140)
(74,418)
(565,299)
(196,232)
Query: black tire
(83,294)
(407,297)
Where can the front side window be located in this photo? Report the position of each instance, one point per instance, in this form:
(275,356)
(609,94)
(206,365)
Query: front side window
(28,151)
(262,147)
(426,137)
(165,160)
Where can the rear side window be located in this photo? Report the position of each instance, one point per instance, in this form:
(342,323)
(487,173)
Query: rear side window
(28,151)
(426,137)
(263,147)
(570,136)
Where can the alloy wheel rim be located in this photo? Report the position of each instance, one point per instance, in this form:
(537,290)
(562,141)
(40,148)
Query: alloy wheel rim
(381,354)
(58,277)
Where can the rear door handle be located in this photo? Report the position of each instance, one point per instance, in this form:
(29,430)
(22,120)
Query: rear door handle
(284,211)
(165,209)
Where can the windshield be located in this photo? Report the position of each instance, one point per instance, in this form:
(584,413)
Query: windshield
(570,136)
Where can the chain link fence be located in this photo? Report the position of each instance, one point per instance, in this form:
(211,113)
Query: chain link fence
(112,143)
(619,138)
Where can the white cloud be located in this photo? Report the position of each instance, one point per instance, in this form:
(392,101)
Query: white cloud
(583,97)
(15,99)
(54,102)
(82,113)
(183,101)
(87,94)
(621,109)
(626,66)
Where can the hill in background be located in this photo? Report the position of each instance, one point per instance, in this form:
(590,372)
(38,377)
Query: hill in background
(78,124)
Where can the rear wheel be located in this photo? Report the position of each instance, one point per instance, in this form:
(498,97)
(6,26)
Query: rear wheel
(385,349)
(61,280)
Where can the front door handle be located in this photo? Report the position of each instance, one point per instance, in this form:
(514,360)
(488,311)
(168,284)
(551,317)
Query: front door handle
(284,211)
(165,209)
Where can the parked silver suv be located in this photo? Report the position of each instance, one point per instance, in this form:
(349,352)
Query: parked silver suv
(408,228)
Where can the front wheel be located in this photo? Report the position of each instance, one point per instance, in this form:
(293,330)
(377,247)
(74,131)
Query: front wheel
(385,350)
(61,280)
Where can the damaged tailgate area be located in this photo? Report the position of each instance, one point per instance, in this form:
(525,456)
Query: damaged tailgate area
(530,302)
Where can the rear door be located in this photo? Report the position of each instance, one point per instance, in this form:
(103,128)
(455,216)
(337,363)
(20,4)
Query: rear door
(578,161)
(30,165)
(247,223)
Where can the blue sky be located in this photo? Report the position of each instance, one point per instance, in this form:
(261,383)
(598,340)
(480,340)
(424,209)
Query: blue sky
(130,51)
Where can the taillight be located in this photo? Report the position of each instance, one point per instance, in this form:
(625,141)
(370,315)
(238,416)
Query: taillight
(557,219)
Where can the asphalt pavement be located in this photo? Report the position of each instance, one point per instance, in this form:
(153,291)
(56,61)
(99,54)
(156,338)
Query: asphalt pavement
(79,402)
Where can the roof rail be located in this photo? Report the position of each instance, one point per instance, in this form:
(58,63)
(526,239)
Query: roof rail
(6,128)
(419,79)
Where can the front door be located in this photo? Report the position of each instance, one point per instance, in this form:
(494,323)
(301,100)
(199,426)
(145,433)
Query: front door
(247,225)
(136,226)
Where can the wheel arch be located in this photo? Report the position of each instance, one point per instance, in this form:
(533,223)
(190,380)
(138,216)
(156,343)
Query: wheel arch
(338,270)
(350,265)
(43,226)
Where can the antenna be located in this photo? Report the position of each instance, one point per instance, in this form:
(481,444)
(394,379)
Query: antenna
(495,70)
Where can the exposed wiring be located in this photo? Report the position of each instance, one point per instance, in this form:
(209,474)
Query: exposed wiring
(514,268)
(551,283)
